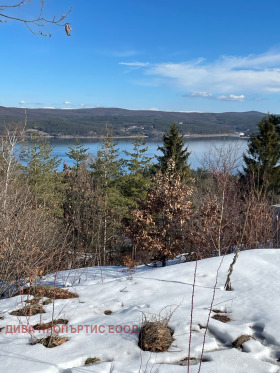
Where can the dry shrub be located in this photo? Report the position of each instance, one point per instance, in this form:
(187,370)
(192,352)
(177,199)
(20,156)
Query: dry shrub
(35,300)
(240,340)
(30,239)
(50,324)
(47,301)
(29,310)
(50,292)
(51,341)
(222,318)
(160,226)
(129,263)
(155,335)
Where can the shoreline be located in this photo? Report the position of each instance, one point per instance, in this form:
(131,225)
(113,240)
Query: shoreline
(152,138)
(191,136)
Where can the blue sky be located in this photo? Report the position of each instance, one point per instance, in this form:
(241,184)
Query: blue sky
(180,55)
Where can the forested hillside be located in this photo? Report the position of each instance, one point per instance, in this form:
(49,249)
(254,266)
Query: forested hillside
(92,122)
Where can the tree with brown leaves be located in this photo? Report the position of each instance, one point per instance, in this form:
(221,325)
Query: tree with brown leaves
(160,225)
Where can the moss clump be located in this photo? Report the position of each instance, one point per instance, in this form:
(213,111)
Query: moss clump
(92,360)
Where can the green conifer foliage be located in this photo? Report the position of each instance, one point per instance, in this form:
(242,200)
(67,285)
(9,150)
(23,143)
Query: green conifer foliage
(174,148)
(78,153)
(262,160)
(138,162)
(107,165)
(40,169)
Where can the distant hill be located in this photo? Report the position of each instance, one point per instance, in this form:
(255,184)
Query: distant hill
(92,122)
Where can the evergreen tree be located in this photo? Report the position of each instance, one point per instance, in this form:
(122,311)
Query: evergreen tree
(174,148)
(107,165)
(106,171)
(134,185)
(261,162)
(40,169)
(138,162)
(78,153)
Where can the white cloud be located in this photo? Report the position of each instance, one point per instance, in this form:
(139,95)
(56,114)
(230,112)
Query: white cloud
(199,94)
(229,77)
(68,103)
(48,107)
(134,64)
(210,96)
(231,98)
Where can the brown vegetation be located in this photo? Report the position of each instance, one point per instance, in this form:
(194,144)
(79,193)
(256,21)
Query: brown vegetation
(155,336)
(49,292)
(29,310)
(51,341)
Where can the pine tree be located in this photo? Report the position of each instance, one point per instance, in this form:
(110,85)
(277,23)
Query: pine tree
(133,186)
(261,162)
(78,153)
(40,169)
(106,171)
(107,165)
(138,162)
(174,148)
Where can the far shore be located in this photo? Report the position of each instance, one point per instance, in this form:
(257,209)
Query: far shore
(152,138)
(190,136)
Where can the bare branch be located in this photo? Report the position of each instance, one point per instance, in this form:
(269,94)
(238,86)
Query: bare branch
(35,22)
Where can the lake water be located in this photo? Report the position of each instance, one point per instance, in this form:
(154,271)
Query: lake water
(197,147)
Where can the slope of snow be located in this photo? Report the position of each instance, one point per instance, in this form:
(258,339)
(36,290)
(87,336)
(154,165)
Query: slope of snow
(253,307)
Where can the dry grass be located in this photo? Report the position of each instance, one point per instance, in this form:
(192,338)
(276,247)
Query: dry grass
(35,300)
(51,341)
(29,310)
(50,324)
(47,301)
(155,336)
(50,292)
(240,340)
(222,318)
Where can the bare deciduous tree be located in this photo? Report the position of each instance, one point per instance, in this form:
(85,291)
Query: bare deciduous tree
(38,21)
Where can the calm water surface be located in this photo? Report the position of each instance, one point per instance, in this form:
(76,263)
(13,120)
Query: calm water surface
(197,147)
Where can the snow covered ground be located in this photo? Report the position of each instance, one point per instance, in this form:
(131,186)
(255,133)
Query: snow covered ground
(253,307)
